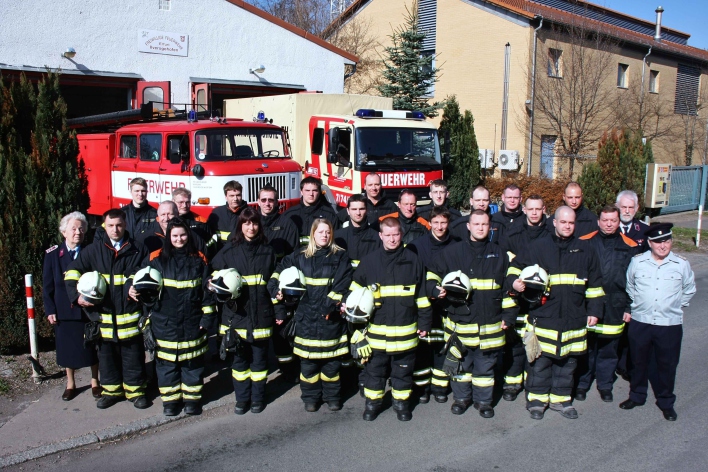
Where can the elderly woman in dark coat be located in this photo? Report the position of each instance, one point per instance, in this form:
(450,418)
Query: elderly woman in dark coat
(68,320)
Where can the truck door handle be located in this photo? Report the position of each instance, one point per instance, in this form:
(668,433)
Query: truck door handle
(326,175)
(161,168)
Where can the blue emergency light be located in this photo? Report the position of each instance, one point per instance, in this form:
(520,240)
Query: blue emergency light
(368,113)
(418,115)
(261,116)
(191,116)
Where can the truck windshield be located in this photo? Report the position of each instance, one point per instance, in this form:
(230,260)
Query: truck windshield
(397,147)
(225,144)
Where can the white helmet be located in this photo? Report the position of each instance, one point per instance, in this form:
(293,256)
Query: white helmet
(226,283)
(536,281)
(92,286)
(148,283)
(292,285)
(458,286)
(359,305)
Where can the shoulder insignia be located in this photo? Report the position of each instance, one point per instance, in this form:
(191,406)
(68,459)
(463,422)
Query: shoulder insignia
(155,254)
(680,257)
(629,241)
(588,236)
(52,248)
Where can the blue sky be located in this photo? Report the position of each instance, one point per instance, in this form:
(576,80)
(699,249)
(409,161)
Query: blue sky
(688,16)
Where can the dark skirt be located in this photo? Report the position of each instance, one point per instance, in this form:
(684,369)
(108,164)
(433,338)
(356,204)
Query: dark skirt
(71,353)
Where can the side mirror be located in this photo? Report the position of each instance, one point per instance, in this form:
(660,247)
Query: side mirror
(446,158)
(332,145)
(198,171)
(175,157)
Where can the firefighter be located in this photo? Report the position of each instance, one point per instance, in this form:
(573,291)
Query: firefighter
(438,199)
(532,227)
(428,375)
(403,313)
(377,204)
(197,223)
(282,235)
(320,332)
(140,215)
(222,220)
(509,216)
(575,302)
(121,356)
(479,321)
(167,211)
(615,251)
(585,220)
(313,205)
(412,225)
(251,316)
(628,204)
(179,319)
(479,200)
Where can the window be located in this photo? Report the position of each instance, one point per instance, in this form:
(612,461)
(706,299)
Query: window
(179,146)
(128,147)
(164,5)
(317,141)
(243,143)
(687,83)
(429,57)
(555,68)
(622,75)
(398,148)
(150,147)
(155,95)
(654,81)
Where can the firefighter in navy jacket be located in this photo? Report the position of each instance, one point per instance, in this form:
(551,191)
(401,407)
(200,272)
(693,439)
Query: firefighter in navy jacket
(223,219)
(251,315)
(121,356)
(402,313)
(313,205)
(575,302)
(320,331)
(179,319)
(481,320)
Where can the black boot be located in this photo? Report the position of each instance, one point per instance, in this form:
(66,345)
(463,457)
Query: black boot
(402,411)
(371,410)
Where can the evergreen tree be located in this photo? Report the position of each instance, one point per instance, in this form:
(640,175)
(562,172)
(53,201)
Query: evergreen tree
(408,73)
(42,181)
(463,169)
(621,165)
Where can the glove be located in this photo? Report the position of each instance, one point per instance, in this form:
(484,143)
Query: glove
(531,344)
(454,352)
(360,347)
(149,342)
(92,334)
(288,331)
(231,342)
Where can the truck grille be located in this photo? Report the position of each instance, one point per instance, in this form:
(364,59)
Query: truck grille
(254,184)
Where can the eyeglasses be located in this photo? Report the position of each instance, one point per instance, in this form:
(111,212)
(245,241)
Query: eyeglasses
(267,200)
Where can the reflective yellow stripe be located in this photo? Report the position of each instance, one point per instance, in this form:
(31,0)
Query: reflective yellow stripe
(422,302)
(259,376)
(433,276)
(483,381)
(208,309)
(513,271)
(260,333)
(171,398)
(543,397)
(182,283)
(224,235)
(72,275)
(107,318)
(373,394)
(118,279)
(610,330)
(422,372)
(304,240)
(577,347)
(565,279)
(191,388)
(396,290)
(241,375)
(511,256)
(461,328)
(314,379)
(389,345)
(355,263)
(329,379)
(492,343)
(508,302)
(547,333)
(515,380)
(486,330)
(558,398)
(276,276)
(335,296)
(464,377)
(353,286)
(400,394)
(573,334)
(317,282)
(594,292)
(253,279)
(484,284)
(166,390)
(385,330)
(182,344)
(319,342)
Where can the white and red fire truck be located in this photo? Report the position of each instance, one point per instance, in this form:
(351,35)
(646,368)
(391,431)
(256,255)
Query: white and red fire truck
(341,138)
(199,154)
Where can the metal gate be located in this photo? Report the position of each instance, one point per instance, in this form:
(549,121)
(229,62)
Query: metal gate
(687,184)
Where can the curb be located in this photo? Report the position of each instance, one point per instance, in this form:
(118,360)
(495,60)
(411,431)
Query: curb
(112,433)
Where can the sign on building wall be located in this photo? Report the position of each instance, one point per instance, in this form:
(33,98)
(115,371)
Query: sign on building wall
(162,42)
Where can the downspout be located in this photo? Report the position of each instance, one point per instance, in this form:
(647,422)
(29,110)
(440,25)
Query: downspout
(353,71)
(644,64)
(533,96)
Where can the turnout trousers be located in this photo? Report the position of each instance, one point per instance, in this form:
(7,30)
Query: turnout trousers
(550,380)
(319,380)
(287,361)
(380,366)
(664,343)
(599,364)
(514,361)
(249,369)
(476,382)
(181,380)
(122,367)
(428,375)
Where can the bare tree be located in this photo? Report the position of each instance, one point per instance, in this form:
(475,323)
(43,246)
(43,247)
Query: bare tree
(310,15)
(693,130)
(353,36)
(643,111)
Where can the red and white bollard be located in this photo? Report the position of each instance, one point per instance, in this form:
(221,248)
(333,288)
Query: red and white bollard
(29,292)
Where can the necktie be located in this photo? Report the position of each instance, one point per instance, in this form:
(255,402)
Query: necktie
(625,229)
(117,245)
(74,253)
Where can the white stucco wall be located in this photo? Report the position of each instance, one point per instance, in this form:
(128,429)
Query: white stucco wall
(224,42)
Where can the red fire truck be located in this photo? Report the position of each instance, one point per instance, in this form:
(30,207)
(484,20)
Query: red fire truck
(199,154)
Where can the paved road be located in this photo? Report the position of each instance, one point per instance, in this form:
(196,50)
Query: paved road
(286,438)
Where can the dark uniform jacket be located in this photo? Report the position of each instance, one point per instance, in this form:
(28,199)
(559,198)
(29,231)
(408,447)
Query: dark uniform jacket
(56,300)
(303,216)
(118,313)
(424,211)
(320,331)
(520,236)
(222,222)
(252,314)
(401,306)
(156,240)
(357,241)
(614,252)
(503,222)
(185,306)
(478,321)
(458,229)
(199,227)
(374,211)
(637,230)
(281,233)
(411,228)
(585,221)
(575,292)
(138,222)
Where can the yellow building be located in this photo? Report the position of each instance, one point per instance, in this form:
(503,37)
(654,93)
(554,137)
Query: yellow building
(594,69)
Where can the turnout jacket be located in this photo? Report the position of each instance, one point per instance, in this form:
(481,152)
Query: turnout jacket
(411,228)
(155,242)
(585,221)
(519,237)
(252,313)
(281,233)
(401,307)
(575,292)
(138,222)
(222,222)
(357,241)
(185,306)
(615,252)
(118,313)
(303,216)
(374,211)
(320,331)
(503,222)
(478,321)
(424,211)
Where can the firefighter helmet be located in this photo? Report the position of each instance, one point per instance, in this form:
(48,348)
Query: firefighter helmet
(148,283)
(536,281)
(359,305)
(92,286)
(292,285)
(226,283)
(458,286)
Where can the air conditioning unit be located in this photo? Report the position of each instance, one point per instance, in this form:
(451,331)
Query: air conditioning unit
(509,160)
(486,158)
